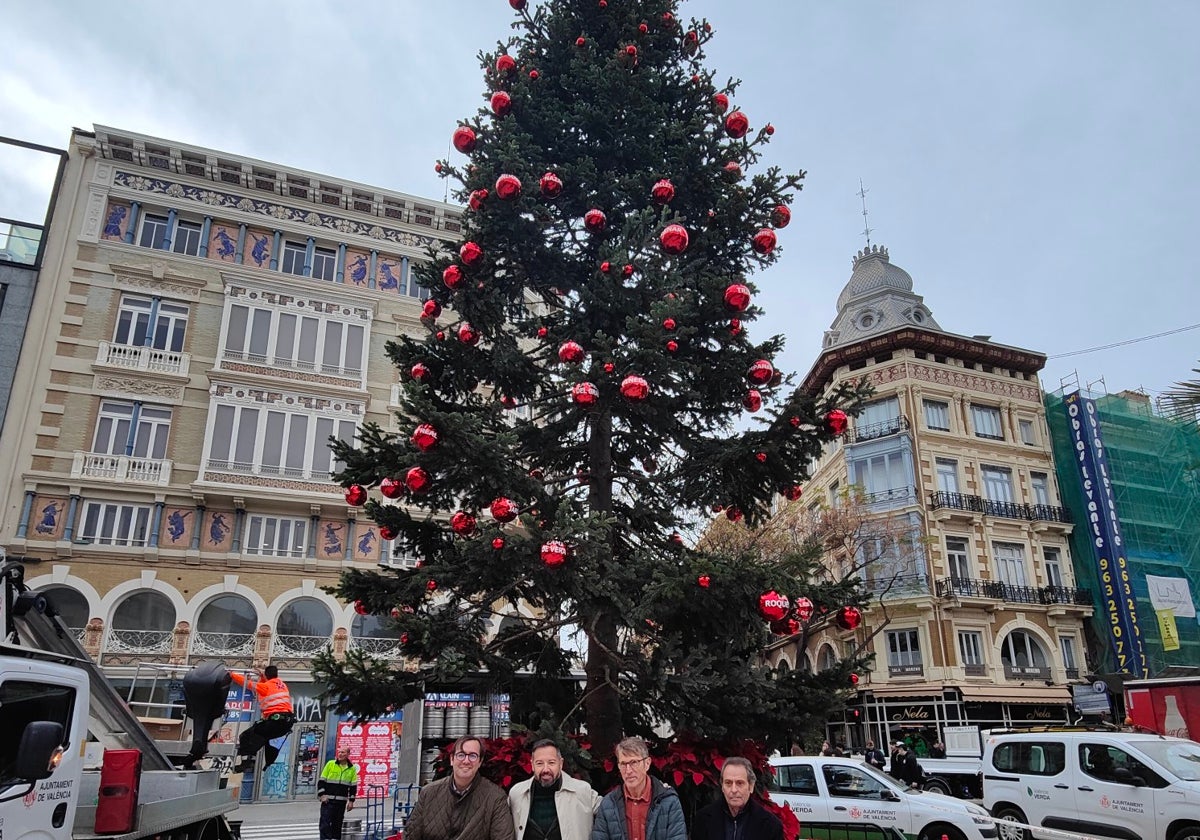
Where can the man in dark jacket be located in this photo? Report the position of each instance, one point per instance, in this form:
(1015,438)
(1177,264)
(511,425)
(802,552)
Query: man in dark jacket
(736,816)
(642,807)
(905,766)
(464,805)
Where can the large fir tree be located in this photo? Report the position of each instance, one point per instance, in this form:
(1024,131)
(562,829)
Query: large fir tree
(582,394)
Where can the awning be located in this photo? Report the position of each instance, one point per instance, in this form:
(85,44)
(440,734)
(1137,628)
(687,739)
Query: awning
(922,690)
(1027,694)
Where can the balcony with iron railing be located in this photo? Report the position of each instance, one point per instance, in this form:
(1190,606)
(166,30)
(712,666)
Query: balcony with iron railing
(380,648)
(942,500)
(875,431)
(148,359)
(892,497)
(351,373)
(127,469)
(1012,593)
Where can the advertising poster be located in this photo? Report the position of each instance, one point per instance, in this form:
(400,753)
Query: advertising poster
(373,747)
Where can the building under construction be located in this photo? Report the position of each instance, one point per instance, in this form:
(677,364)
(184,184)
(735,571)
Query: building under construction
(1132,474)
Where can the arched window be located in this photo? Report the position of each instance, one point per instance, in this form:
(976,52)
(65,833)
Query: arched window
(70,605)
(375,634)
(142,623)
(226,627)
(1024,657)
(304,627)
(827,658)
(805,663)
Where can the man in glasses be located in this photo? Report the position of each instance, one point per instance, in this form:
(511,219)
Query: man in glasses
(642,808)
(552,805)
(463,805)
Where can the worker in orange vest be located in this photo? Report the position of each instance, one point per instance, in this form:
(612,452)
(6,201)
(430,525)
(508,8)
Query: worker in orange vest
(275,704)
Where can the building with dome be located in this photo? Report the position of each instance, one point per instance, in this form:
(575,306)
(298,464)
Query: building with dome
(975,615)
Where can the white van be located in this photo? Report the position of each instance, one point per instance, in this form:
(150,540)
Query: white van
(845,798)
(1102,783)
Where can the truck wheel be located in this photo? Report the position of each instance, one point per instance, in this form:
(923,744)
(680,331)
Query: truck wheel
(1010,813)
(941,831)
(207,830)
(1188,832)
(938,786)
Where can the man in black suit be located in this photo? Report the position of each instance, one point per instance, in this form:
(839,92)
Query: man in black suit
(736,816)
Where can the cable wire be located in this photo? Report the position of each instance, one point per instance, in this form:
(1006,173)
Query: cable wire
(1123,343)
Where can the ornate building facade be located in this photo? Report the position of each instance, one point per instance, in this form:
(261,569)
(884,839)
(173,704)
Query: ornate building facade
(203,325)
(975,617)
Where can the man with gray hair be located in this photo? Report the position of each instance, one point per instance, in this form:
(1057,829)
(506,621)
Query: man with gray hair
(736,816)
(642,807)
(552,805)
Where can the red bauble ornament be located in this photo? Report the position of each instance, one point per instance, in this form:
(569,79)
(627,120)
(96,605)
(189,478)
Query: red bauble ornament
(780,216)
(737,297)
(467,334)
(570,352)
(464,139)
(676,539)
(508,187)
(475,202)
(517,4)
(848,618)
(605,267)
(770,129)
(853,679)
(395,612)
(627,270)
(386,532)
(631,51)
(736,125)
(837,421)
(785,627)
(720,103)
(704,581)
(452,276)
(792,492)
(772,606)
(585,393)
(733,170)
(761,457)
(551,185)
(505,64)
(795,421)
(391,488)
(431,584)
(634,388)
(425,437)
(668,19)
(536,474)
(431,309)
(580,41)
(471,253)
(437,167)
(498,543)
(533,75)
(356,495)
(662,192)
(643,28)
(542,332)
(760,372)
(504,510)
(416,480)
(440,335)
(420,373)
(674,239)
(360,608)
(501,103)
(733,514)
(804,608)
(668,324)
(735,326)
(462,523)
(508,402)
(672,346)
(609,367)
(554,553)
(752,400)
(764,241)
(594,220)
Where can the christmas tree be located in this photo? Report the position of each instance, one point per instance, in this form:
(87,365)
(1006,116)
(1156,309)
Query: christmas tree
(589,389)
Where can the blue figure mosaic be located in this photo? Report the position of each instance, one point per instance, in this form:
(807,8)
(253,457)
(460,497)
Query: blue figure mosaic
(366,541)
(358,270)
(116,218)
(218,529)
(333,540)
(390,281)
(177,524)
(259,252)
(226,247)
(49,521)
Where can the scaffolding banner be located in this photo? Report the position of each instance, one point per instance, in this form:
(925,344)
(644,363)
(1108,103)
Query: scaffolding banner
(1167,630)
(1171,593)
(1104,532)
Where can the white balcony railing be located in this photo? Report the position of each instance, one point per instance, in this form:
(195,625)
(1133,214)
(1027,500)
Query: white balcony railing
(125,468)
(128,357)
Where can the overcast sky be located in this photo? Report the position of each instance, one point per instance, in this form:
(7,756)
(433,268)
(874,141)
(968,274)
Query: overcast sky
(1035,166)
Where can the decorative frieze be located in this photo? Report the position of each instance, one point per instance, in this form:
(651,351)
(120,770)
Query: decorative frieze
(131,386)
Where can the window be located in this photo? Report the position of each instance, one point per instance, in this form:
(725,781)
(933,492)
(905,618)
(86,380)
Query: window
(293,258)
(958,561)
(826,658)
(154,232)
(1113,764)
(187,238)
(307,343)
(1040,484)
(986,421)
(1023,656)
(138,317)
(112,523)
(276,536)
(1027,436)
(1010,563)
(269,442)
(1053,560)
(878,418)
(881,476)
(116,433)
(947,474)
(145,609)
(1067,645)
(970,649)
(904,652)
(835,498)
(849,781)
(25,703)
(937,415)
(798,779)
(303,628)
(324,264)
(228,614)
(997,483)
(1036,758)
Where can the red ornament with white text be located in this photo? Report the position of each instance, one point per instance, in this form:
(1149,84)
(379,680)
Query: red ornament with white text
(837,421)
(464,139)
(737,297)
(425,437)
(462,523)
(760,372)
(585,393)
(550,185)
(772,606)
(508,187)
(674,239)
(391,488)
(570,352)
(634,388)
(554,553)
(662,192)
(416,480)
(849,618)
(356,495)
(764,241)
(804,608)
(595,220)
(504,510)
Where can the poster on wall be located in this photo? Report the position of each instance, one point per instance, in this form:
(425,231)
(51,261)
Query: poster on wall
(373,749)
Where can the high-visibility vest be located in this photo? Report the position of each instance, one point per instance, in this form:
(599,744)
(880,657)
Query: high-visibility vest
(273,695)
(338,781)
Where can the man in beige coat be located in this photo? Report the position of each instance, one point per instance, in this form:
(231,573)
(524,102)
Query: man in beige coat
(552,805)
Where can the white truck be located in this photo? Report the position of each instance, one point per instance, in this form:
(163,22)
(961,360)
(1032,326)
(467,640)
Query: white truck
(58,714)
(959,773)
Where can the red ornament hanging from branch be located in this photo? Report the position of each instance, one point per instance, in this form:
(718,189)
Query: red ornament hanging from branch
(416,480)
(662,192)
(849,618)
(505,64)
(467,334)
(753,400)
(470,253)
(837,421)
(634,388)
(780,216)
(737,297)
(498,543)
(570,352)
(501,103)
(736,125)
(356,495)
(504,510)
(792,492)
(720,103)
(464,139)
(360,608)
(475,201)
(554,553)
(419,372)
(508,187)
(462,523)
(764,241)
(585,393)
(760,372)
(772,606)
(425,437)
(550,185)
(674,239)
(387,532)
(391,488)
(452,276)
(704,581)
(595,220)
(431,309)
(804,608)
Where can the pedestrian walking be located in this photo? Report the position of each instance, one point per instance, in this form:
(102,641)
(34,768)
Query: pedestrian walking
(874,756)
(336,789)
(905,766)
(463,805)
(275,705)
(552,805)
(736,815)
(642,807)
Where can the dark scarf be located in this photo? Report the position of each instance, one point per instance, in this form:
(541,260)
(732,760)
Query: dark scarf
(543,816)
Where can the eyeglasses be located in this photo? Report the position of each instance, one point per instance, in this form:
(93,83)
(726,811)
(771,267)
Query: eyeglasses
(631,763)
(470,758)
